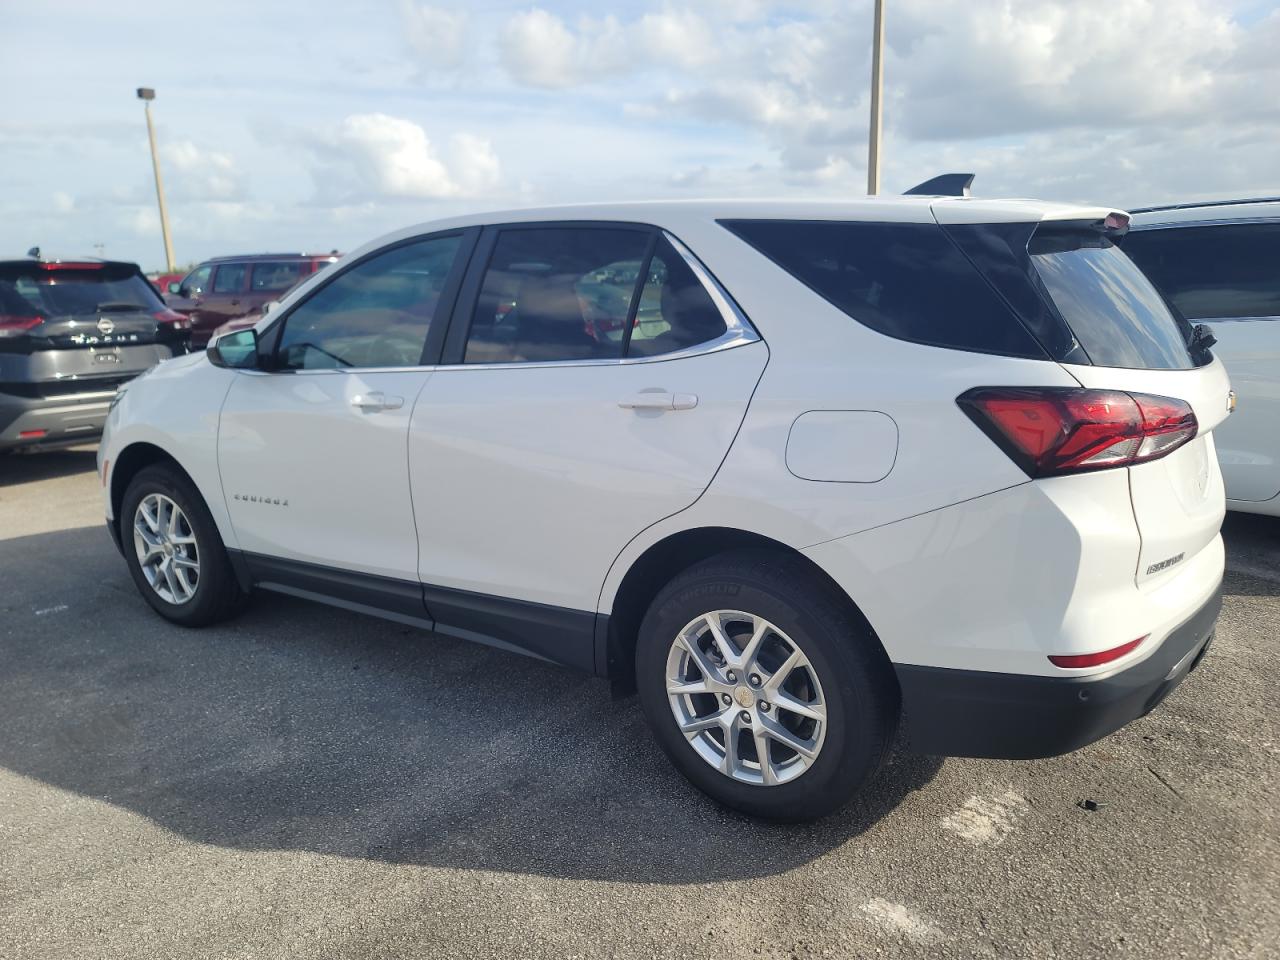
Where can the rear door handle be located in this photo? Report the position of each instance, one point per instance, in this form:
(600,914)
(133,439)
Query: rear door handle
(660,401)
(376,400)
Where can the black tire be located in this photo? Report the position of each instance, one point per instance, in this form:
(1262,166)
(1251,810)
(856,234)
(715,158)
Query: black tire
(857,680)
(217,595)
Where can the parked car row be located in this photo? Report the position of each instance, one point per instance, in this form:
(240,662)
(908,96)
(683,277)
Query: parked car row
(932,464)
(229,288)
(73,330)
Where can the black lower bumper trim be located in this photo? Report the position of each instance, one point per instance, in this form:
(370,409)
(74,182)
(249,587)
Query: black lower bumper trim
(972,713)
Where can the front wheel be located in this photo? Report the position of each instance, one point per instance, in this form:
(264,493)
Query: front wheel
(763,688)
(173,549)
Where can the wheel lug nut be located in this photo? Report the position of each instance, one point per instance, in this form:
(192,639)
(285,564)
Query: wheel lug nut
(733,677)
(726,698)
(754,679)
(744,717)
(764,706)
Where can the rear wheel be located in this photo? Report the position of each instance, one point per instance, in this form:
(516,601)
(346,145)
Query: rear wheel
(174,551)
(763,688)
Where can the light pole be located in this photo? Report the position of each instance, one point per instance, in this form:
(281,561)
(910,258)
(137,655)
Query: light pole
(146,95)
(877,84)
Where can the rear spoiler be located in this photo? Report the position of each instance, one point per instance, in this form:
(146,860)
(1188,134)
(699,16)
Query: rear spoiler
(946,185)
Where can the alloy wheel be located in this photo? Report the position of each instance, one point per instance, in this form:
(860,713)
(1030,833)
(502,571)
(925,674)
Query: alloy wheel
(746,697)
(166,548)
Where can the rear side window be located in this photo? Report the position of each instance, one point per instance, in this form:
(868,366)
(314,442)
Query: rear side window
(556,293)
(1213,272)
(906,280)
(29,289)
(1115,313)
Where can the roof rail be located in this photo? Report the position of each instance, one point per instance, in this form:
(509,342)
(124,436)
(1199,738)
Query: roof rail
(946,185)
(1192,204)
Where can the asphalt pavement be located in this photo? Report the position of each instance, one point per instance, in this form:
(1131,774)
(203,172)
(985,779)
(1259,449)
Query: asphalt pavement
(308,783)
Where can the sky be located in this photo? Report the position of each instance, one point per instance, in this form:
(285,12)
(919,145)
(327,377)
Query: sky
(320,125)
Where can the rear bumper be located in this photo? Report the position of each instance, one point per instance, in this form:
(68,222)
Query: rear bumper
(971,713)
(75,418)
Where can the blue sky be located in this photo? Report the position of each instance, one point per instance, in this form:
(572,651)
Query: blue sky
(318,126)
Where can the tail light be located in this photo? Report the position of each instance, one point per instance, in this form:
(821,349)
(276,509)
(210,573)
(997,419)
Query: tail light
(1049,431)
(172,319)
(12,325)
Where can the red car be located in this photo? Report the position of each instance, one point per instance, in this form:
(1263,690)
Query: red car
(226,288)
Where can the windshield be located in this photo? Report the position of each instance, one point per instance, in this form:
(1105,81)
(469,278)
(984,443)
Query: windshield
(1115,313)
(59,292)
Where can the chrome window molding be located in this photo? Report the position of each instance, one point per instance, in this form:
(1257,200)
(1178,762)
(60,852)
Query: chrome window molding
(738,332)
(1175,224)
(1260,319)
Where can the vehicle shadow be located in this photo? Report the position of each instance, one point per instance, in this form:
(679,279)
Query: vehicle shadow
(302,727)
(1253,555)
(19,468)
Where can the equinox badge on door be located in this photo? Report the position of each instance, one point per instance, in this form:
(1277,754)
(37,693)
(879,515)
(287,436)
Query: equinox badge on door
(273,501)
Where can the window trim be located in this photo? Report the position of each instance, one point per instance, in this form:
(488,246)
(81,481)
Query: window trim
(738,328)
(269,337)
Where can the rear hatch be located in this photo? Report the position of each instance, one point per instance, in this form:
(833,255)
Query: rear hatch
(68,327)
(1099,316)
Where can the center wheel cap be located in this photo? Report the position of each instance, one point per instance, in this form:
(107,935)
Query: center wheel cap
(744,696)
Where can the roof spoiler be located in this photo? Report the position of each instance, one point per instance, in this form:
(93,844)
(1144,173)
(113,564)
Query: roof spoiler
(946,185)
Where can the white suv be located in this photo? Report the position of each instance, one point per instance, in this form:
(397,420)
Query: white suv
(1218,262)
(803,474)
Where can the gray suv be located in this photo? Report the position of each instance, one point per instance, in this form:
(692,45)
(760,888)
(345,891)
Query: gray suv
(71,332)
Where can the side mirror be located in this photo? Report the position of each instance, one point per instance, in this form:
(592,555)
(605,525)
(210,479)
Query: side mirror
(238,350)
(173,286)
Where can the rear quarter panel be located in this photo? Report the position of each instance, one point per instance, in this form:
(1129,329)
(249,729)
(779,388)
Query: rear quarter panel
(823,360)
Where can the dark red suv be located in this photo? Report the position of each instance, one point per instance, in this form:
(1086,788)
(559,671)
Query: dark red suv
(224,288)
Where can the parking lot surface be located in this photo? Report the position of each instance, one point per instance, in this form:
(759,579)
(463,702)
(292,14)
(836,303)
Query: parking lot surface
(305,782)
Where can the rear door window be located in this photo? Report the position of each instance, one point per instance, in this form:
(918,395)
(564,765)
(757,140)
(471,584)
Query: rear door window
(905,280)
(1210,272)
(675,310)
(229,278)
(556,293)
(271,277)
(1115,313)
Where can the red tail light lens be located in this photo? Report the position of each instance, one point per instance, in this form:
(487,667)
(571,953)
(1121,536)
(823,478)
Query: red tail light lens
(11,325)
(1077,660)
(171,318)
(1049,431)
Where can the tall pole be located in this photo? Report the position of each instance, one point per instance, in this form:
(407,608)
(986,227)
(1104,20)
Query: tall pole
(877,85)
(146,94)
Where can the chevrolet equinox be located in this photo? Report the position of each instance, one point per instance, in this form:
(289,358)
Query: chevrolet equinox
(802,475)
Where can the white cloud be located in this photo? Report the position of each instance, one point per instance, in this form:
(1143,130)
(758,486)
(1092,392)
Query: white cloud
(381,155)
(437,34)
(63,202)
(475,166)
(194,173)
(539,49)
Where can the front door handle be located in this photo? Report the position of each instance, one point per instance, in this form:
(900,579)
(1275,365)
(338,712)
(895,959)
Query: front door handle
(376,400)
(660,401)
